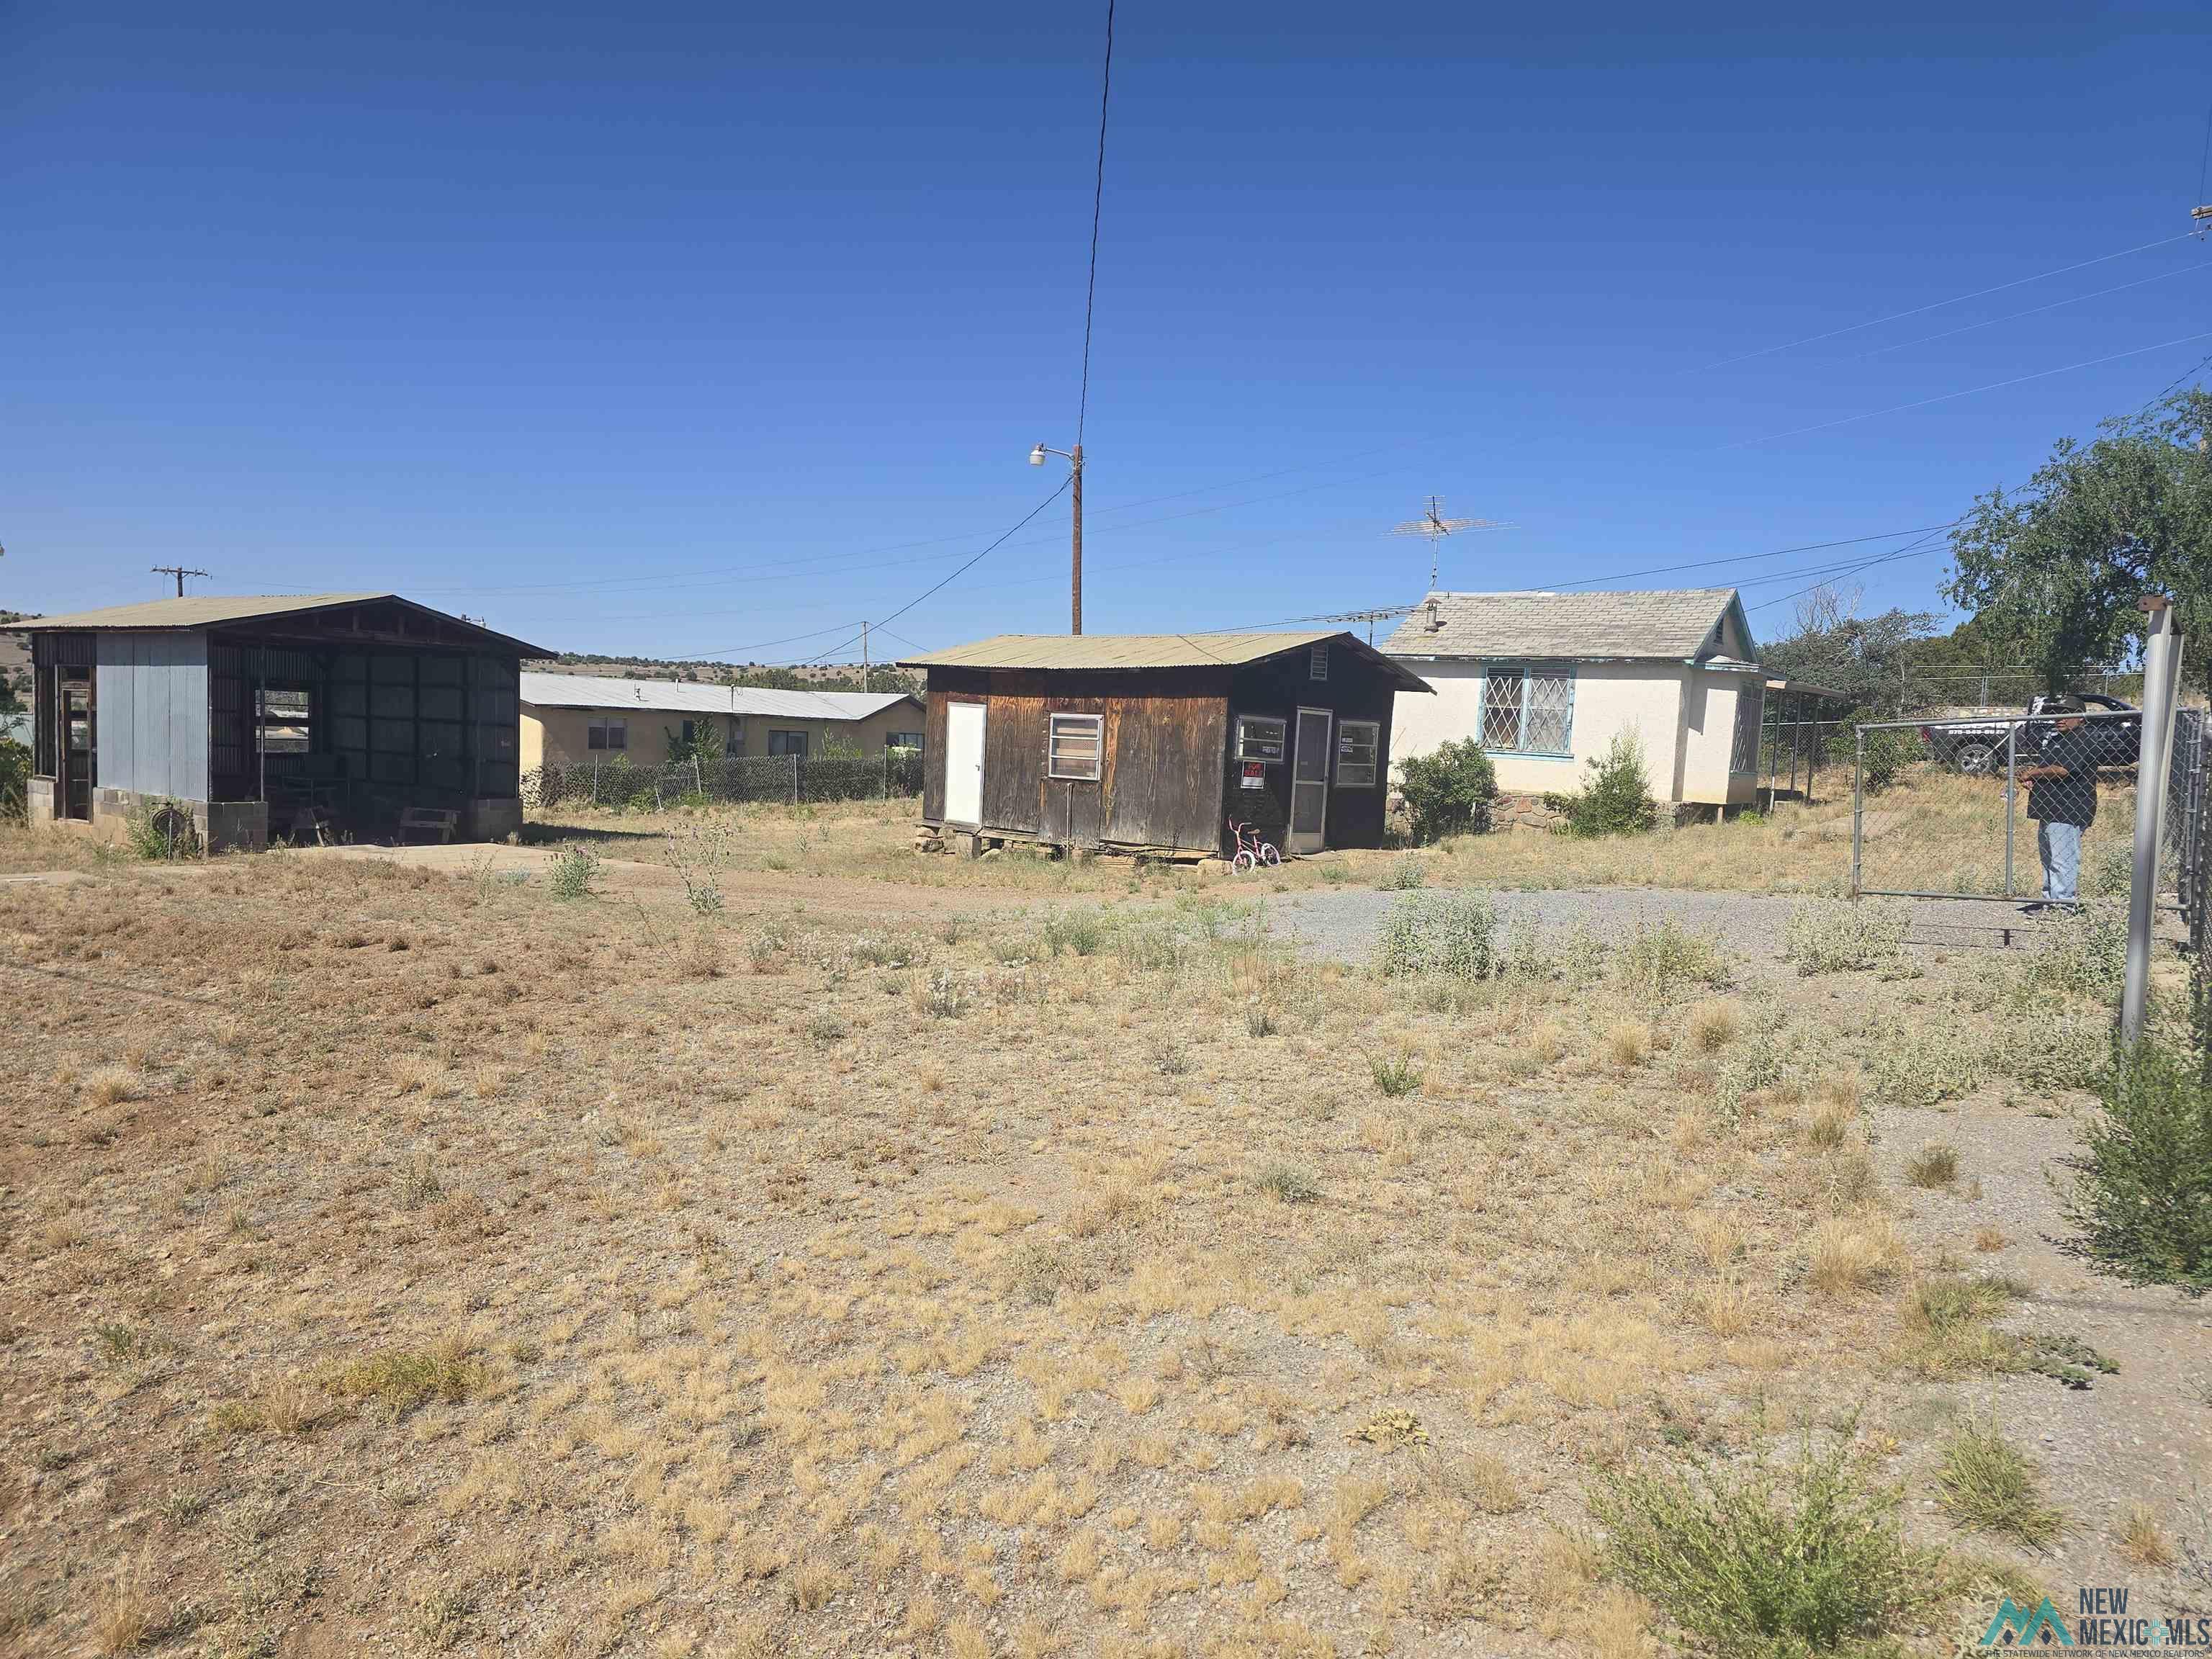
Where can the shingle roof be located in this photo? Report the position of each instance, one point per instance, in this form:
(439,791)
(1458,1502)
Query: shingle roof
(696,697)
(1112,652)
(197,611)
(1675,623)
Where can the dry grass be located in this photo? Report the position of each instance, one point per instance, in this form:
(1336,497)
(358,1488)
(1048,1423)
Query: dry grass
(634,1308)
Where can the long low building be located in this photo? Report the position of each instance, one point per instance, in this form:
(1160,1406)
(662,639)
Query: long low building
(574,719)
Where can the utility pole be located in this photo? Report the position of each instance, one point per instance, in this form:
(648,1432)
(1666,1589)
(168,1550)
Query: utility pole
(1075,569)
(179,571)
(864,656)
(2153,748)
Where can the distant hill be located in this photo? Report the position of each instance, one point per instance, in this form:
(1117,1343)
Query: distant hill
(15,653)
(806,677)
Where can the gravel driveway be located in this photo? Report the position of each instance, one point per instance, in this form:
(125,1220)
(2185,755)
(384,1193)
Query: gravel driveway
(1342,923)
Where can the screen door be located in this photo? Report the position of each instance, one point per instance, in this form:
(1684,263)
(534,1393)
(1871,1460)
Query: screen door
(1309,782)
(963,763)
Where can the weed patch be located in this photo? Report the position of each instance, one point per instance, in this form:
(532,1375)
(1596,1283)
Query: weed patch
(1989,1484)
(1806,1560)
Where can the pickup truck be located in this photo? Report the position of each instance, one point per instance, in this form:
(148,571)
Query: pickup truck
(1979,745)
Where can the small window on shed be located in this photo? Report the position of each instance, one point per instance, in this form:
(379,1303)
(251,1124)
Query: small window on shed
(1357,758)
(1317,663)
(1260,738)
(1074,745)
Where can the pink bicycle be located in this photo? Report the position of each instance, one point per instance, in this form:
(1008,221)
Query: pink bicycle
(1251,851)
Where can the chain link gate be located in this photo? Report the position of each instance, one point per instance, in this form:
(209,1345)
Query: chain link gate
(2021,808)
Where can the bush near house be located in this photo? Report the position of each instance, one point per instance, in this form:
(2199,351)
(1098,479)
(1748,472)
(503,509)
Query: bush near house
(1886,755)
(14,780)
(1617,799)
(1448,791)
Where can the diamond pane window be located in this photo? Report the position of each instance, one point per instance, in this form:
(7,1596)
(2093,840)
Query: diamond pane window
(1501,710)
(1528,711)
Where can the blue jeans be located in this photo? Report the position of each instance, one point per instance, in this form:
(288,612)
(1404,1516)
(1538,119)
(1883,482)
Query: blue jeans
(2060,847)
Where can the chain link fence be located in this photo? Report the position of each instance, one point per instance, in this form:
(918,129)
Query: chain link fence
(2019,807)
(893,774)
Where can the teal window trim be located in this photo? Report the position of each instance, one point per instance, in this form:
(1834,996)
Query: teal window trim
(1539,692)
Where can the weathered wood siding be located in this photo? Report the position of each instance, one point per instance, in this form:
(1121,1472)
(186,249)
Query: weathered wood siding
(1355,688)
(150,693)
(1163,734)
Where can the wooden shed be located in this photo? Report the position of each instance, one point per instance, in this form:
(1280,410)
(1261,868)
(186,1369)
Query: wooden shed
(1151,743)
(331,715)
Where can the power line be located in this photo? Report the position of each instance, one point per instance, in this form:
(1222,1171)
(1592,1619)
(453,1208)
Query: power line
(1938,304)
(2013,317)
(926,593)
(1888,558)
(1098,201)
(1945,398)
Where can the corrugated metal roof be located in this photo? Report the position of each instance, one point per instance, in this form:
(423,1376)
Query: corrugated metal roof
(1115,650)
(1676,623)
(196,610)
(694,697)
(201,611)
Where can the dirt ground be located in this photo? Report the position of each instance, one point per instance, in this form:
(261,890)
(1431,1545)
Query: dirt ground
(405,1258)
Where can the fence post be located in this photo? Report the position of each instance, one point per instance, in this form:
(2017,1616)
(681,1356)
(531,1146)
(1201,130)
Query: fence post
(2162,679)
(1858,806)
(794,777)
(698,778)
(2012,792)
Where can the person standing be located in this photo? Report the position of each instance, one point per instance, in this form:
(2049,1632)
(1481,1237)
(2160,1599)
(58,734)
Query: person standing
(2062,798)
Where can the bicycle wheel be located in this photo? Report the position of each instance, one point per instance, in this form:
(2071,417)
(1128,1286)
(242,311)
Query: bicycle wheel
(1268,855)
(1241,863)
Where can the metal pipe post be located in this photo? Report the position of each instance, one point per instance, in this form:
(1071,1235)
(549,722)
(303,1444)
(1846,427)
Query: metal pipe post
(2161,681)
(1076,567)
(1858,810)
(2012,792)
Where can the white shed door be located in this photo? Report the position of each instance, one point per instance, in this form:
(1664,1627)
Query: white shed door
(963,763)
(1309,782)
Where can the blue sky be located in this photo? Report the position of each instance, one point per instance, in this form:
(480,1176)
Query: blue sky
(681,330)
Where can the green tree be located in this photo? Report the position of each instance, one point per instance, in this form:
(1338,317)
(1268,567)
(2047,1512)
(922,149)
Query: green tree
(2055,570)
(1866,657)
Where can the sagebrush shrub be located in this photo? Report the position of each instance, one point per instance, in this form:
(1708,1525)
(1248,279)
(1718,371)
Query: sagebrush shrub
(1454,934)
(2143,1190)
(1886,755)
(1810,1558)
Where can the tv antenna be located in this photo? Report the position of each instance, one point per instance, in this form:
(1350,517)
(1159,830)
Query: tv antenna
(1433,526)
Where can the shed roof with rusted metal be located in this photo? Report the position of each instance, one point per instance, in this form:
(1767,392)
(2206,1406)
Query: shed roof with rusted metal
(1134,653)
(196,611)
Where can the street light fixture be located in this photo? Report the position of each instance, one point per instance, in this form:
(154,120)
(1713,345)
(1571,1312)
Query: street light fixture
(1074,457)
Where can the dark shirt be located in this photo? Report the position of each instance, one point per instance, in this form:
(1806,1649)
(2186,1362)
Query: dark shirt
(2072,798)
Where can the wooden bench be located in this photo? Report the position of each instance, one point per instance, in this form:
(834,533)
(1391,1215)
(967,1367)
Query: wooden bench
(429,821)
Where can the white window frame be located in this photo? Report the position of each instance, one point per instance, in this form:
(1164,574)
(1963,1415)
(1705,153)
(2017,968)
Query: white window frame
(1526,671)
(1282,739)
(612,733)
(1317,663)
(1077,726)
(1359,774)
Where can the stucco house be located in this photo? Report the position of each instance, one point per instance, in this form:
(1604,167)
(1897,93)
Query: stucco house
(1548,680)
(572,720)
